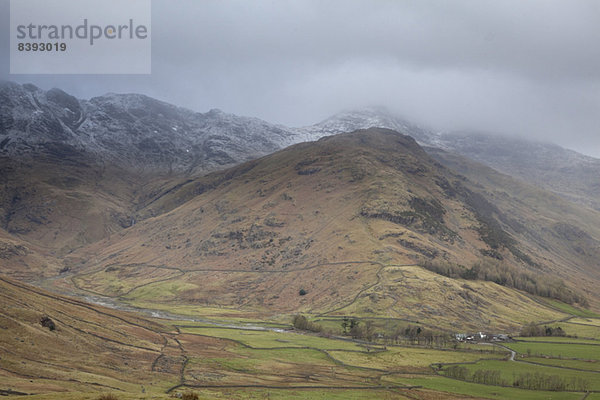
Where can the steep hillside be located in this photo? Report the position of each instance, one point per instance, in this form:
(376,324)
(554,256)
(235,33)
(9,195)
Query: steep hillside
(76,171)
(347,219)
(22,260)
(62,202)
(568,233)
(146,135)
(50,343)
(119,176)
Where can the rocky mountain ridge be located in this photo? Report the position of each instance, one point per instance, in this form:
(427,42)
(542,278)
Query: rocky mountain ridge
(130,130)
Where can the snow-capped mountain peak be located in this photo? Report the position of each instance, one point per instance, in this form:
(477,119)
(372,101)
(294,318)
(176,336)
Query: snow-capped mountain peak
(364,118)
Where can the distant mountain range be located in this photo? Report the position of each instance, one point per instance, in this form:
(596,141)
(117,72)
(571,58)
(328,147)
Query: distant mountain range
(147,135)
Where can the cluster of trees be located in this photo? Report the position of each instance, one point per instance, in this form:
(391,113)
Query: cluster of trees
(507,275)
(109,396)
(302,323)
(416,335)
(366,330)
(458,372)
(525,380)
(488,377)
(483,376)
(539,381)
(532,329)
(349,324)
(405,334)
(353,327)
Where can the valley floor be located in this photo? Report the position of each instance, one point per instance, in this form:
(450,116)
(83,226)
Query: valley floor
(229,356)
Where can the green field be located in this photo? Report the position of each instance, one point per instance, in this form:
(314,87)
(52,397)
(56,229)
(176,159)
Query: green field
(483,391)
(302,394)
(258,356)
(581,327)
(408,357)
(270,339)
(557,350)
(235,354)
(510,370)
(586,321)
(568,309)
(592,365)
(297,365)
(554,339)
(581,330)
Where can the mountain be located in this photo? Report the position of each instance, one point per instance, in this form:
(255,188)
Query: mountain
(351,220)
(351,120)
(25,261)
(74,171)
(565,172)
(129,130)
(205,221)
(572,175)
(106,189)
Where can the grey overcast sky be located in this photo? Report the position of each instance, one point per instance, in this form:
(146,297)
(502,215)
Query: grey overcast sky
(520,67)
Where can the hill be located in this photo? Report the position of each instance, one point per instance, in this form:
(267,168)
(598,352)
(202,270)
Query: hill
(567,173)
(92,191)
(56,344)
(75,171)
(349,219)
(61,202)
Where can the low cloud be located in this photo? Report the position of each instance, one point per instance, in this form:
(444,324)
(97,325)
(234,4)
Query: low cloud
(530,69)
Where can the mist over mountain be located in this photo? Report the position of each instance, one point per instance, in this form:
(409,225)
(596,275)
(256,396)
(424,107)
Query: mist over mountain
(565,172)
(144,134)
(549,166)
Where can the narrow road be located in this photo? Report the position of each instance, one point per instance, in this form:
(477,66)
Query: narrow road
(513,353)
